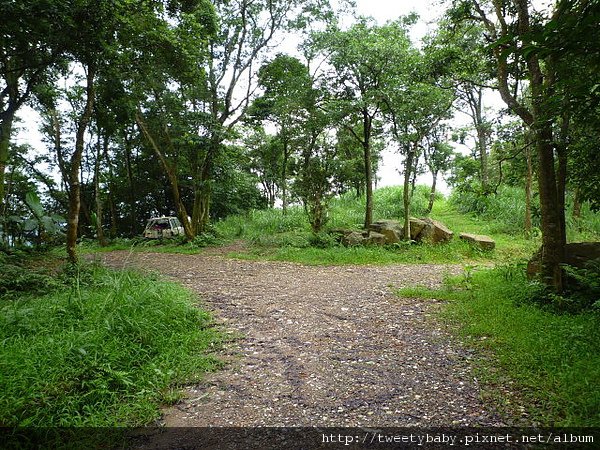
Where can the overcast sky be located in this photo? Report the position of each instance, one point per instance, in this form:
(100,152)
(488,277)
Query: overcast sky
(384,10)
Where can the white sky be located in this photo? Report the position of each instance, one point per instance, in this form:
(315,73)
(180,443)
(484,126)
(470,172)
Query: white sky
(385,10)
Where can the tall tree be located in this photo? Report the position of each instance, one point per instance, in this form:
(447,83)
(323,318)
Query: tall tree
(458,51)
(362,57)
(417,99)
(247,30)
(287,86)
(511,26)
(29,46)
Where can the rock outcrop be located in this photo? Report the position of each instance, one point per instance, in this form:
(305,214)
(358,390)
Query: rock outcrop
(479,240)
(416,228)
(385,232)
(352,238)
(391,229)
(434,232)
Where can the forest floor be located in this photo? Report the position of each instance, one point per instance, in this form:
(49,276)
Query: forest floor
(322,346)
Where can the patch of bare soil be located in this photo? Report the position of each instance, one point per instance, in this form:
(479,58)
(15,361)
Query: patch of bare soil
(323,346)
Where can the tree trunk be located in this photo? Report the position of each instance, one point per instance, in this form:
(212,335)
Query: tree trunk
(203,195)
(413,181)
(5,132)
(367,123)
(528,184)
(75,186)
(286,157)
(552,228)
(552,208)
(474,97)
(201,212)
(111,188)
(98,195)
(131,193)
(561,175)
(4,209)
(408,164)
(482,142)
(432,193)
(7,116)
(577,204)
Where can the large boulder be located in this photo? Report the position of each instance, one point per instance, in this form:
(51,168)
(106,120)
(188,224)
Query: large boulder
(353,238)
(375,238)
(391,229)
(434,232)
(479,240)
(577,254)
(416,228)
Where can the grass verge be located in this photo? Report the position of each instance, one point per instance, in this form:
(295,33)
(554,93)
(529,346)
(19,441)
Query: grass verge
(554,360)
(455,252)
(104,350)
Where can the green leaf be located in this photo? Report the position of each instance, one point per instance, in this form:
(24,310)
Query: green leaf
(34,203)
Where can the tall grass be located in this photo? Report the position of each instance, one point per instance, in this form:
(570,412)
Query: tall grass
(106,350)
(276,236)
(505,212)
(348,211)
(345,211)
(554,360)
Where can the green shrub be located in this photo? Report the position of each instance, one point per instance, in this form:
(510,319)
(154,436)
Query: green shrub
(205,240)
(16,279)
(323,240)
(582,292)
(504,210)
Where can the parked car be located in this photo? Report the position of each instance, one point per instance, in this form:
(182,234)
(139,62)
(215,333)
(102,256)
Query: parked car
(163,227)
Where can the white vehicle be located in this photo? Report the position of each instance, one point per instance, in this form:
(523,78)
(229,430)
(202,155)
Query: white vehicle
(163,227)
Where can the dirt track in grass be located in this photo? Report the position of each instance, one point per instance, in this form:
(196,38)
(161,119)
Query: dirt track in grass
(322,346)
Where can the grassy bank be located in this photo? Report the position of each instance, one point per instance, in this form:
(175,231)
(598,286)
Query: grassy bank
(554,360)
(102,348)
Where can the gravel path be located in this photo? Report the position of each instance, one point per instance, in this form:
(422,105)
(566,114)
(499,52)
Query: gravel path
(323,346)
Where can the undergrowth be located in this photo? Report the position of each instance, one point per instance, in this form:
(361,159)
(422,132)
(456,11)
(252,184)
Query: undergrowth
(505,213)
(277,236)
